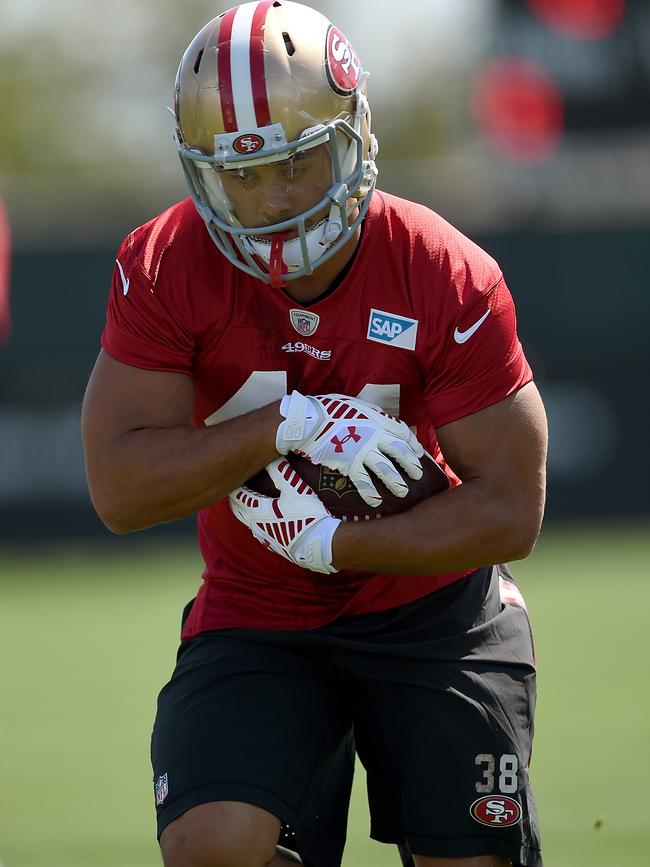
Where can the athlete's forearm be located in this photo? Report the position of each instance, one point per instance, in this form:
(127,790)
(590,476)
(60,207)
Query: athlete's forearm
(154,475)
(463,528)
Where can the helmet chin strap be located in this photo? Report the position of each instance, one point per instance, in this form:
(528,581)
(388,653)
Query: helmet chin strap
(277,267)
(282,256)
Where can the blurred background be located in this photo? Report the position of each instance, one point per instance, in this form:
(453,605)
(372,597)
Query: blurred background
(526,123)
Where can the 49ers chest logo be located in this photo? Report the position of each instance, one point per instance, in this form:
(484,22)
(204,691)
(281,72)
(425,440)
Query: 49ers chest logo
(342,64)
(248,144)
(496,811)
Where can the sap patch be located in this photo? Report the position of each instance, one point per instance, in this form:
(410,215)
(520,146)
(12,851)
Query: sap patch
(393,330)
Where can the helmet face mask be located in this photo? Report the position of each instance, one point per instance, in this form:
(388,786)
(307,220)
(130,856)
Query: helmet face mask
(264,194)
(302,182)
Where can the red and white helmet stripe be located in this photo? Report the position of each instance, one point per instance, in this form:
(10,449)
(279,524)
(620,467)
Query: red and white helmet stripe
(242,78)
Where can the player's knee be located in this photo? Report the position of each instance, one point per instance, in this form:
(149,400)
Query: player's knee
(220,834)
(214,850)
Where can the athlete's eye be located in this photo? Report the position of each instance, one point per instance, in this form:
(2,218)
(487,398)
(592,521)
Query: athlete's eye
(239,178)
(247,177)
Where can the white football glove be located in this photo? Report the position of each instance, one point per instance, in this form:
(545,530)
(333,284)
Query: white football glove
(351,436)
(295,525)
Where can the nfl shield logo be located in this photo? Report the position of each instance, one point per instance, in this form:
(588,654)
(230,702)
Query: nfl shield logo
(161,789)
(332,480)
(304,323)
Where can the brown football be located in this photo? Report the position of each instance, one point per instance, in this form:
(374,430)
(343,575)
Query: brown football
(340,496)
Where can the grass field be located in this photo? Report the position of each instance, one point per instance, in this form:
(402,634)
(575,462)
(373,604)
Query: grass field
(88,635)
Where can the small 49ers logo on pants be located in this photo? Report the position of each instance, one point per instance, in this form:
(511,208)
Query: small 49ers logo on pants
(496,811)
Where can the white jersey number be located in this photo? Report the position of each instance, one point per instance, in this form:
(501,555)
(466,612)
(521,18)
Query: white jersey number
(264,386)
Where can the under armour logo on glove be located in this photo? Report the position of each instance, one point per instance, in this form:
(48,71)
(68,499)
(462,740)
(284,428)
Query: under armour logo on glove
(352,435)
(319,428)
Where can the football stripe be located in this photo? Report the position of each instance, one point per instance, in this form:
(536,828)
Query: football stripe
(223,68)
(240,66)
(258,76)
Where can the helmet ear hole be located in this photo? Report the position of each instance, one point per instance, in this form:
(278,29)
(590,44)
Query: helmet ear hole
(288,44)
(197,62)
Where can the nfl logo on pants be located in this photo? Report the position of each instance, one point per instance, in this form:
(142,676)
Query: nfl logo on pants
(162,789)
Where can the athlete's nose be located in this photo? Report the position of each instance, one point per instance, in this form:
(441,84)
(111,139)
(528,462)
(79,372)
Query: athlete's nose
(277,207)
(280,200)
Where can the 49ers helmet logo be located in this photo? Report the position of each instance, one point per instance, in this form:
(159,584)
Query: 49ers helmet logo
(496,811)
(248,144)
(343,66)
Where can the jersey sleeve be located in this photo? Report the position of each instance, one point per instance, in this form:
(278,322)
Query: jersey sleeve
(479,360)
(146,325)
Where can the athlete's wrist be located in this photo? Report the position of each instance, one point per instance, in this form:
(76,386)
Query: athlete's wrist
(264,421)
(300,418)
(346,546)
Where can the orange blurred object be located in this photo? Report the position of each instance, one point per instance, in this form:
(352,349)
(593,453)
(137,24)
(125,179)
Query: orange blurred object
(518,108)
(581,19)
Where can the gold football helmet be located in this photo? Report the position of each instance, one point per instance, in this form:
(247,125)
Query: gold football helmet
(273,133)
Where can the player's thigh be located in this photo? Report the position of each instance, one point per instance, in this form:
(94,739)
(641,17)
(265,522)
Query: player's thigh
(220,834)
(444,730)
(246,718)
(447,764)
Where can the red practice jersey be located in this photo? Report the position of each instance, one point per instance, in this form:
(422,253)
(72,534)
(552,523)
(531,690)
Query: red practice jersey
(422,324)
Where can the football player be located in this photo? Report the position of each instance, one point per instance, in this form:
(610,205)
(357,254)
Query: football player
(289,306)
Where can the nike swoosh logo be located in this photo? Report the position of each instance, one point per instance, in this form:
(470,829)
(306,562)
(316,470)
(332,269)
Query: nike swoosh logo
(125,280)
(464,336)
